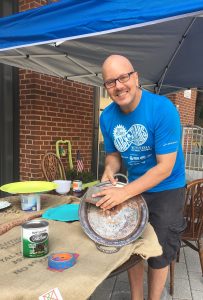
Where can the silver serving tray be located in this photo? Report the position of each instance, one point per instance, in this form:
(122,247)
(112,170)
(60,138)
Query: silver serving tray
(118,227)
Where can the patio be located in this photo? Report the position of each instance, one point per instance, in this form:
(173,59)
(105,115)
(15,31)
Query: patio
(188,282)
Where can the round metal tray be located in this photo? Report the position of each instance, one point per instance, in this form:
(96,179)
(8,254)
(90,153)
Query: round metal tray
(117,227)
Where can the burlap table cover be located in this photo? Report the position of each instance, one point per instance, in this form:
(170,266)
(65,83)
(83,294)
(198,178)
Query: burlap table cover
(28,278)
(14,215)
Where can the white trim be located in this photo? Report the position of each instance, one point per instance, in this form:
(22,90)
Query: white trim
(106,31)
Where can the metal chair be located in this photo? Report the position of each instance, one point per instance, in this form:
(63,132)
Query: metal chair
(193,213)
(52,167)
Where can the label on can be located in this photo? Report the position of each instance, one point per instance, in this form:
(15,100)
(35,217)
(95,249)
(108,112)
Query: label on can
(35,238)
(77,185)
(30,202)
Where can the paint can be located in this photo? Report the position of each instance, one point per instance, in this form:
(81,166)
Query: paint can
(77,186)
(35,238)
(30,202)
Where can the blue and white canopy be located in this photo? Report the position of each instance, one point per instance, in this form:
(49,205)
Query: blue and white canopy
(71,39)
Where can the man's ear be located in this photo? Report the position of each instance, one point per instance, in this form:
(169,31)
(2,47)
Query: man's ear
(137,79)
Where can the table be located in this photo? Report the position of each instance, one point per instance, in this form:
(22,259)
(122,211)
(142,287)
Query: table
(133,260)
(21,275)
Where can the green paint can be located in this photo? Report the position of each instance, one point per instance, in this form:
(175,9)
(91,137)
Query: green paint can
(35,238)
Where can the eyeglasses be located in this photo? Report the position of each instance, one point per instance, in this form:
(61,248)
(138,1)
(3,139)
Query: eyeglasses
(122,78)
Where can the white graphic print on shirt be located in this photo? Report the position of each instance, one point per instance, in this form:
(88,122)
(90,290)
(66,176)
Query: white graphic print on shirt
(123,139)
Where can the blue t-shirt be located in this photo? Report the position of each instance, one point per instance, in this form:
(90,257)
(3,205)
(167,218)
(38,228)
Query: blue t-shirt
(153,128)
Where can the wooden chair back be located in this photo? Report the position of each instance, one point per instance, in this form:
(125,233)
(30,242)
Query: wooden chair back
(193,210)
(193,213)
(52,167)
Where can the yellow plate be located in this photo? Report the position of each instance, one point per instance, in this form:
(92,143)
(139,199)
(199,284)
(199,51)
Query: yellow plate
(27,187)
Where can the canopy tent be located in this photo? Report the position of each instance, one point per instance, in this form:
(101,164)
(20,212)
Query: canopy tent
(71,39)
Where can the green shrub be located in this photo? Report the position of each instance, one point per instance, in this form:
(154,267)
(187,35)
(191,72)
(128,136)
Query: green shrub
(84,176)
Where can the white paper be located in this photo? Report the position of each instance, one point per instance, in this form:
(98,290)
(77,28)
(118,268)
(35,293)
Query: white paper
(187,94)
(53,294)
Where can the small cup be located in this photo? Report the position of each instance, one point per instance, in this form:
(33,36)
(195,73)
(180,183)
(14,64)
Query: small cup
(63,186)
(30,202)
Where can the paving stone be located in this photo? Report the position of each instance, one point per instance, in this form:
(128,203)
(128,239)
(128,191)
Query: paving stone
(197,295)
(123,277)
(104,290)
(192,260)
(101,294)
(181,270)
(121,295)
(165,295)
(196,281)
(126,288)
(181,299)
(182,255)
(167,287)
(108,283)
(122,285)
(182,289)
(121,291)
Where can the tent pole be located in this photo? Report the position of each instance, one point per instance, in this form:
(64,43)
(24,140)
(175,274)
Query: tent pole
(98,75)
(39,63)
(79,64)
(46,66)
(32,55)
(160,82)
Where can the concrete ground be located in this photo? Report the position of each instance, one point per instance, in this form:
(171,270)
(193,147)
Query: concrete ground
(188,282)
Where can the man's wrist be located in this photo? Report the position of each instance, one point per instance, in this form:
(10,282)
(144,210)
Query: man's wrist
(127,192)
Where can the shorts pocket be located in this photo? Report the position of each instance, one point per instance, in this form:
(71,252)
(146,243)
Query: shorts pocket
(178,227)
(174,238)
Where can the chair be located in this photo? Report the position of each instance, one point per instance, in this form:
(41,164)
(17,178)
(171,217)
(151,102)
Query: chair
(52,167)
(193,213)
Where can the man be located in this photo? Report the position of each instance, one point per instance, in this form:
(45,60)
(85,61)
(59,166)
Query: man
(144,131)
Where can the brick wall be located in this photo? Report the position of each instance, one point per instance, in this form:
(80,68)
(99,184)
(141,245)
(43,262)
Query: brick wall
(52,109)
(29,4)
(185,106)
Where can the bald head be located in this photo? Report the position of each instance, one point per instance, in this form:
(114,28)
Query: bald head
(116,62)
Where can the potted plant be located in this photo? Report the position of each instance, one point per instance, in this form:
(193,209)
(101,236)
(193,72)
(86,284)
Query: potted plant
(86,177)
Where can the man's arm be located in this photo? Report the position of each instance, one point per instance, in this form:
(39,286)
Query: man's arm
(114,196)
(153,176)
(112,166)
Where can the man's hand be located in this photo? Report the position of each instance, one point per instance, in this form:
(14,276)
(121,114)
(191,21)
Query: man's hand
(111,197)
(112,166)
(109,176)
